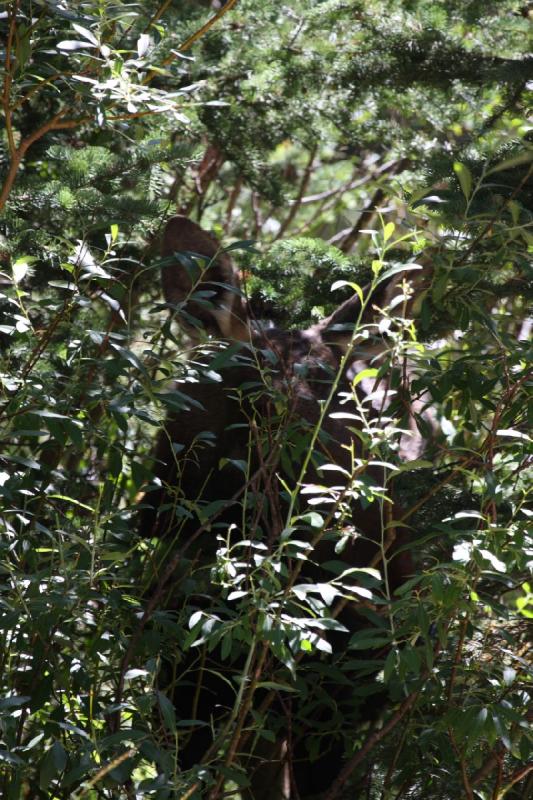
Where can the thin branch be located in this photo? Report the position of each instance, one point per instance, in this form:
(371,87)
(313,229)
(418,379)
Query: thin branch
(369,745)
(458,657)
(103,772)
(256,210)
(333,197)
(517,776)
(39,86)
(188,43)
(233,747)
(41,345)
(304,183)
(499,777)
(328,193)
(467,786)
(363,221)
(494,218)
(391,168)
(53,124)
(493,760)
(209,24)
(133,115)
(435,489)
(158,14)
(394,760)
(328,202)
(232,200)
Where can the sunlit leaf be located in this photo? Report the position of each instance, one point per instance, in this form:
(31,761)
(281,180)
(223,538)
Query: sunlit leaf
(465,178)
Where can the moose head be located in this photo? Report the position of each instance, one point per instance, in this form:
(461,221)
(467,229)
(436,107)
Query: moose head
(272,451)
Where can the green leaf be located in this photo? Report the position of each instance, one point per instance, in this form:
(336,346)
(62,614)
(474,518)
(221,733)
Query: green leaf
(15,701)
(246,244)
(11,758)
(367,640)
(131,674)
(509,675)
(510,163)
(388,230)
(465,178)
(130,357)
(73,44)
(355,286)
(410,657)
(312,518)
(282,687)
(167,711)
(397,268)
(54,762)
(72,501)
(238,463)
(493,560)
(225,650)
(23,45)
(87,34)
(391,665)
(327,592)
(21,267)
(370,372)
(513,434)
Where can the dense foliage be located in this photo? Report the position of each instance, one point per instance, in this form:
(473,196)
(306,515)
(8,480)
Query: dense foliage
(345,138)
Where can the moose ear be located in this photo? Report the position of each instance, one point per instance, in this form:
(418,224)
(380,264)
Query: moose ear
(337,329)
(207,288)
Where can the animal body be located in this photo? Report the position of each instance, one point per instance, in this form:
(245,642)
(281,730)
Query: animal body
(268,466)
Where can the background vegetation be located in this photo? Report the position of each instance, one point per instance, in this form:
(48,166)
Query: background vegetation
(309,127)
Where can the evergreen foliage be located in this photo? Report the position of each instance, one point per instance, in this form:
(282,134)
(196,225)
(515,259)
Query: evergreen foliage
(344,137)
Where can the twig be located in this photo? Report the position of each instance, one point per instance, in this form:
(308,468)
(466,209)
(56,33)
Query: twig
(493,760)
(457,658)
(369,745)
(232,200)
(304,183)
(188,43)
(363,221)
(158,14)
(494,218)
(103,772)
(256,209)
(209,24)
(208,169)
(499,776)
(517,776)
(394,760)
(246,705)
(467,786)
(370,210)
(325,195)
(53,124)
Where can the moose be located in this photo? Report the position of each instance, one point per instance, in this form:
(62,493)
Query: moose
(269,457)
